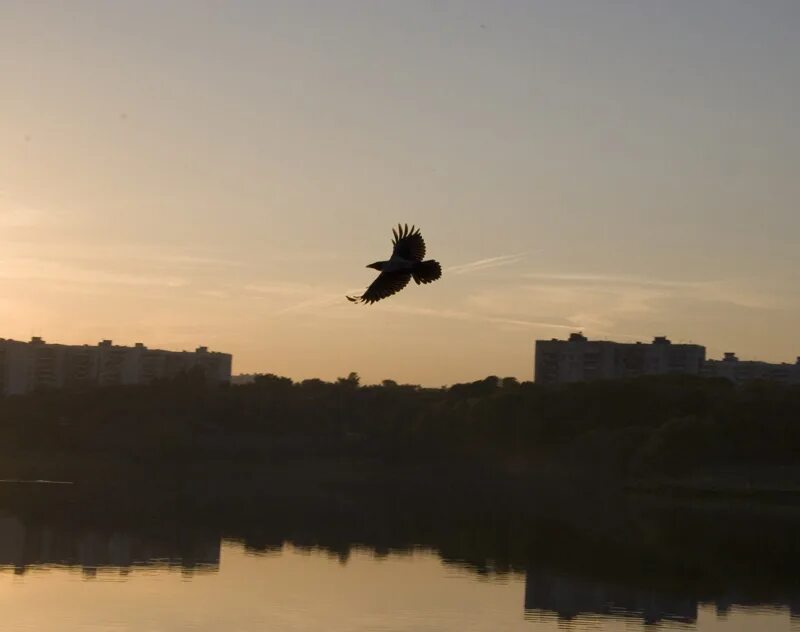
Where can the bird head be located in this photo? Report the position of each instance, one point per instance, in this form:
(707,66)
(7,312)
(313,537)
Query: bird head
(378,265)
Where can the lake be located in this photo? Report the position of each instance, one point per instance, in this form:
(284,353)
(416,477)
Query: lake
(74,573)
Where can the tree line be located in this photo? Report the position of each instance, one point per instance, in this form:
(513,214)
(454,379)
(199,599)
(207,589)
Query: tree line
(651,425)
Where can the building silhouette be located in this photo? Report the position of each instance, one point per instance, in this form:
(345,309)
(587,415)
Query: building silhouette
(569,597)
(36,365)
(24,546)
(738,371)
(579,359)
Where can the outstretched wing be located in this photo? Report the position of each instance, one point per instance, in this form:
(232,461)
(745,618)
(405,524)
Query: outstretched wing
(408,244)
(386,284)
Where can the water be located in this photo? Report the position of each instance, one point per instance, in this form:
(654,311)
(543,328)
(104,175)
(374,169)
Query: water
(75,574)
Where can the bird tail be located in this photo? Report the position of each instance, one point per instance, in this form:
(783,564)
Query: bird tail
(426,271)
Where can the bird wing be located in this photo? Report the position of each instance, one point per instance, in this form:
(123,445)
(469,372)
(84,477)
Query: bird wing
(408,244)
(386,284)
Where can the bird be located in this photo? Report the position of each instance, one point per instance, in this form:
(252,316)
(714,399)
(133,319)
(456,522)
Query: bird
(406,263)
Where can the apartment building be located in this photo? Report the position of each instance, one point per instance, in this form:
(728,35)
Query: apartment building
(579,359)
(37,365)
(739,371)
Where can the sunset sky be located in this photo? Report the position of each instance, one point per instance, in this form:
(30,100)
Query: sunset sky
(189,173)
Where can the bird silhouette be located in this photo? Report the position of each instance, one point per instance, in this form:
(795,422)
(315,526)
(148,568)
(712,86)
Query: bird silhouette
(406,263)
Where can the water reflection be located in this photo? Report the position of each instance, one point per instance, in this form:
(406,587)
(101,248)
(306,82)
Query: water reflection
(570,597)
(658,570)
(25,546)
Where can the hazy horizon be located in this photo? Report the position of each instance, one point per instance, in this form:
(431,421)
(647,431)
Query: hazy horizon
(193,173)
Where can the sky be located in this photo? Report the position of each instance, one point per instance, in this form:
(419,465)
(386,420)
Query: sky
(190,173)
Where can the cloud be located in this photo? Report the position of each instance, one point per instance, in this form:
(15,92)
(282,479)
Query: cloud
(576,302)
(76,266)
(23,269)
(624,306)
(303,298)
(139,254)
(641,291)
(313,304)
(599,278)
(214,293)
(280,289)
(477,317)
(20,217)
(484,264)
(189,260)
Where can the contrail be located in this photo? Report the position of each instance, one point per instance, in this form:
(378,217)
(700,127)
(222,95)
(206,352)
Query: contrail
(482,264)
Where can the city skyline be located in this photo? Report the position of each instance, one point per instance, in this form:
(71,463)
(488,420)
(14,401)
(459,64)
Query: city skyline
(26,366)
(578,359)
(194,172)
(37,364)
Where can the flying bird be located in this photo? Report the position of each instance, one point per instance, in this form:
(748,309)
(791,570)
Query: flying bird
(406,263)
